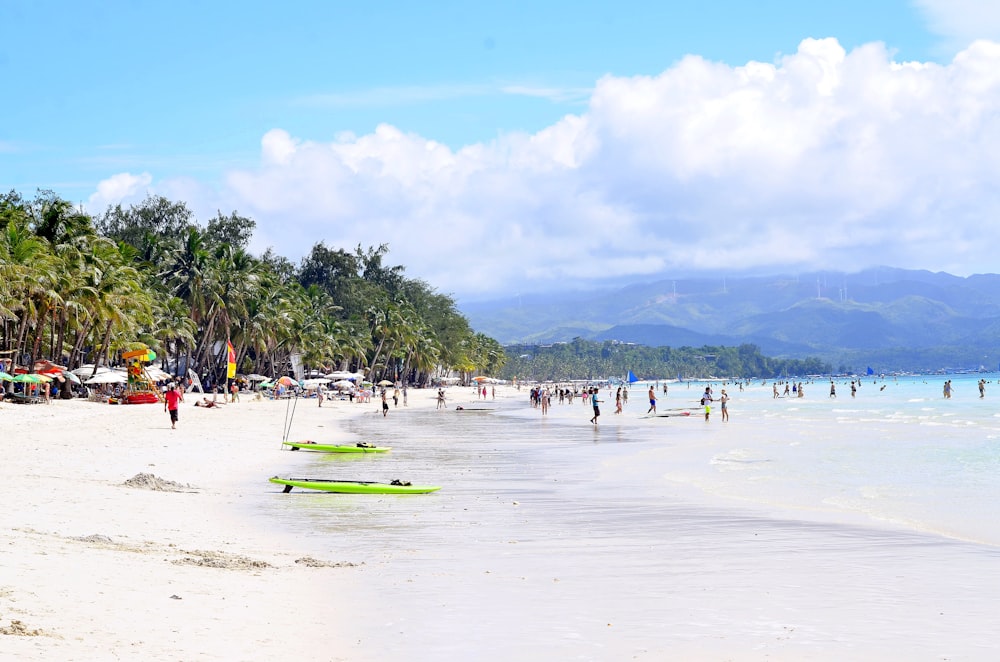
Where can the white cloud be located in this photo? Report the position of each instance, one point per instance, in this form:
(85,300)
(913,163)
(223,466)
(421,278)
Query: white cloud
(961,22)
(823,159)
(123,187)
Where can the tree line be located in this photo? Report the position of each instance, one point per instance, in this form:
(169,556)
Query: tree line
(587,359)
(79,289)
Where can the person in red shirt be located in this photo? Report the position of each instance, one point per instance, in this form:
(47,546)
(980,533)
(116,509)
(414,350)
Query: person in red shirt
(171,399)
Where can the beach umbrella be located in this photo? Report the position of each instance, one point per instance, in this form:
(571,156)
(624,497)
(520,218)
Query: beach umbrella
(27,379)
(285,381)
(4,377)
(481,379)
(344,383)
(385,382)
(85,371)
(341,374)
(109,377)
(157,374)
(316,381)
(70,376)
(257,378)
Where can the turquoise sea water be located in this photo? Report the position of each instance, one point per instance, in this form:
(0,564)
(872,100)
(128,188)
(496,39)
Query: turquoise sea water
(804,528)
(901,454)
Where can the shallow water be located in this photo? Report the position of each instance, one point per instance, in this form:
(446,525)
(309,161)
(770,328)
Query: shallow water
(805,527)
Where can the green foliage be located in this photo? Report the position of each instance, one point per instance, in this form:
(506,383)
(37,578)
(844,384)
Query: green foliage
(77,291)
(586,359)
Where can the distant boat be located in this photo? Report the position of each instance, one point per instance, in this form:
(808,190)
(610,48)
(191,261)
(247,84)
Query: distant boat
(632,378)
(870,371)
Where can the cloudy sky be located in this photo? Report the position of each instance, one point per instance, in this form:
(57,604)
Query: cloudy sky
(528,145)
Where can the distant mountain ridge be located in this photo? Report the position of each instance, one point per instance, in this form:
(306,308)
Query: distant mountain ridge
(900,319)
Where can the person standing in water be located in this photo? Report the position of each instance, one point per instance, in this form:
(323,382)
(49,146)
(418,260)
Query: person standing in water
(706,400)
(652,401)
(723,399)
(595,402)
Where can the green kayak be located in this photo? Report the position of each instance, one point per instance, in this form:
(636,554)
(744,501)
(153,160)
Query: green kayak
(354,486)
(336,448)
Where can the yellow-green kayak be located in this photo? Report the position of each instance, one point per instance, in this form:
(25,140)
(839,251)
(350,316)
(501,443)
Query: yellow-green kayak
(354,486)
(360,447)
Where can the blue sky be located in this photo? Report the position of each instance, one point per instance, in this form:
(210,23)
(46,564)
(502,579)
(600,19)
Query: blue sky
(509,131)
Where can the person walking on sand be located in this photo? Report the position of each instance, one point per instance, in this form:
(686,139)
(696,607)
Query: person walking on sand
(385,404)
(618,401)
(652,401)
(235,391)
(595,402)
(440,398)
(723,400)
(319,395)
(171,400)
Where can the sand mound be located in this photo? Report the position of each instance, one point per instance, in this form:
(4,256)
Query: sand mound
(310,562)
(19,629)
(145,481)
(95,538)
(221,560)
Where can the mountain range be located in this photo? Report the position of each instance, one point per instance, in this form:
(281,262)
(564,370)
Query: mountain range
(894,319)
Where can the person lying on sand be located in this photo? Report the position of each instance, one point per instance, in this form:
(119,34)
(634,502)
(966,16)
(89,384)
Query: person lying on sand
(205,402)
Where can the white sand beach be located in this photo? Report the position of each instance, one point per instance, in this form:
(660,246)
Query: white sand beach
(522,555)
